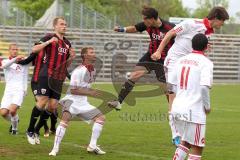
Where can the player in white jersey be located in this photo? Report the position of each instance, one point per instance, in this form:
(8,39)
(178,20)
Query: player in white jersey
(193,77)
(183,34)
(16,87)
(75,103)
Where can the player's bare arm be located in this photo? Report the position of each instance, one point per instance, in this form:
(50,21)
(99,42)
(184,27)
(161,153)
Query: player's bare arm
(129,29)
(157,55)
(85,92)
(39,47)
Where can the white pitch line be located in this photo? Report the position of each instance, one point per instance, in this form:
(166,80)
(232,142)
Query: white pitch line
(115,151)
(227,110)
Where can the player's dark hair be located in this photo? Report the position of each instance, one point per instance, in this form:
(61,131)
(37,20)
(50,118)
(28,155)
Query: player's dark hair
(150,12)
(199,42)
(84,51)
(55,21)
(219,13)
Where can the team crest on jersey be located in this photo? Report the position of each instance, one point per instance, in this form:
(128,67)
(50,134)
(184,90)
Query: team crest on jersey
(18,68)
(43,91)
(35,92)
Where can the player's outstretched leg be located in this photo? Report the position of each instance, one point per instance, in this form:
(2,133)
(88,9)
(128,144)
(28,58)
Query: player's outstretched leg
(127,87)
(60,132)
(96,131)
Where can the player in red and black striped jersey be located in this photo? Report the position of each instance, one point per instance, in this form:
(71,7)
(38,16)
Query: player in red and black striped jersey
(54,55)
(156,28)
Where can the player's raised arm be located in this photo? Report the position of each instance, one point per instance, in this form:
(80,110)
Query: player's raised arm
(42,44)
(129,29)
(170,34)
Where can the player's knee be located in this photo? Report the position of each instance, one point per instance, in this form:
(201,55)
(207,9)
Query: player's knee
(101,119)
(52,105)
(64,123)
(136,75)
(171,89)
(186,144)
(42,101)
(4,112)
(13,112)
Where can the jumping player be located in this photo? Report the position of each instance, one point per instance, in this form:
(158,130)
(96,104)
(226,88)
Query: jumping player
(156,28)
(184,33)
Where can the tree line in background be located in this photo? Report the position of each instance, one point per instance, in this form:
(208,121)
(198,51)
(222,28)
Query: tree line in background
(129,11)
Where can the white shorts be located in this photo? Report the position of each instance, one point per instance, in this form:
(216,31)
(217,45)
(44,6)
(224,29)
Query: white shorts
(9,98)
(192,133)
(169,66)
(85,112)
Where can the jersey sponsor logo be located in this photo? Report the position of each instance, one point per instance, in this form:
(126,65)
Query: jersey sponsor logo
(158,37)
(62,50)
(43,91)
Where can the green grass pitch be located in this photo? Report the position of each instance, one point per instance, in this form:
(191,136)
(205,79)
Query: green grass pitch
(127,137)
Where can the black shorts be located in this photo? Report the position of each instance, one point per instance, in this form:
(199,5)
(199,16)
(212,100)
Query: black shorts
(47,87)
(151,65)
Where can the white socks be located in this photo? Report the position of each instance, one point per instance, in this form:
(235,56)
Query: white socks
(181,153)
(96,131)
(14,122)
(59,136)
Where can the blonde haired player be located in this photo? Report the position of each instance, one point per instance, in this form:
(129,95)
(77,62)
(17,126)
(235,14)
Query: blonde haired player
(15,89)
(75,103)
(193,79)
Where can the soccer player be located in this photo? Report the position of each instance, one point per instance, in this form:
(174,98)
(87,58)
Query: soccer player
(15,89)
(54,56)
(156,28)
(193,76)
(53,117)
(76,103)
(184,33)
